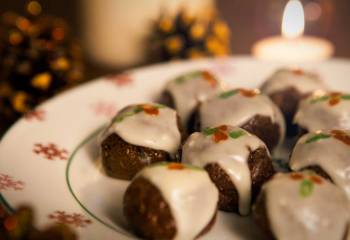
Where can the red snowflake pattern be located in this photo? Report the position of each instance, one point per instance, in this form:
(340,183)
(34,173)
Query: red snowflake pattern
(74,219)
(120,79)
(50,151)
(7,182)
(37,114)
(106,109)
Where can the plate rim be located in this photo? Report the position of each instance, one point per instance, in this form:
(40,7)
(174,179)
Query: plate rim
(7,204)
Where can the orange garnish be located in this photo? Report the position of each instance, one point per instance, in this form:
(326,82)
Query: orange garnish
(248,92)
(296,176)
(176,166)
(149,109)
(334,101)
(222,128)
(341,136)
(316,179)
(335,94)
(298,72)
(10,223)
(219,136)
(209,78)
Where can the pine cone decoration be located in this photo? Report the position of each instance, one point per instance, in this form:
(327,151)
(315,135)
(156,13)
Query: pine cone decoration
(184,36)
(37,60)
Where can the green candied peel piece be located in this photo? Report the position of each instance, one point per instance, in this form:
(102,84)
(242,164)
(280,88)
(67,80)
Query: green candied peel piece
(228,94)
(306,188)
(237,134)
(158,105)
(345,97)
(188,76)
(317,137)
(157,164)
(209,131)
(132,112)
(319,99)
(194,167)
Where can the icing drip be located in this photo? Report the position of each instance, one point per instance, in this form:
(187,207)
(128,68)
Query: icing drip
(303,206)
(304,82)
(235,107)
(328,149)
(190,89)
(148,125)
(325,111)
(228,147)
(191,196)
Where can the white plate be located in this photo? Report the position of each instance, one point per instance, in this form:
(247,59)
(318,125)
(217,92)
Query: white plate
(49,158)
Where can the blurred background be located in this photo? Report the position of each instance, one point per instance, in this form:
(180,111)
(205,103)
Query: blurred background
(249,20)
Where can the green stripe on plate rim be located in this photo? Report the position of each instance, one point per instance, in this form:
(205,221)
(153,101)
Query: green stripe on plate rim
(70,160)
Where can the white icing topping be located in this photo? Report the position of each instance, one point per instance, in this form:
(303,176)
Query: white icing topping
(157,131)
(321,213)
(315,114)
(329,153)
(237,109)
(303,81)
(230,154)
(190,194)
(191,88)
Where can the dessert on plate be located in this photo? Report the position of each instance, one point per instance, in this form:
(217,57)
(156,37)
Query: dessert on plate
(139,135)
(186,91)
(171,201)
(326,152)
(324,110)
(245,108)
(236,161)
(302,205)
(287,86)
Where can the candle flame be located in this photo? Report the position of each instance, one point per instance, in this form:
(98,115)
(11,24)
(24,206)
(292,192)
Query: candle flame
(293,22)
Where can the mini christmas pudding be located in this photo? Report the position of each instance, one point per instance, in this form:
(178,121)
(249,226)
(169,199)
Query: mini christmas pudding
(186,91)
(322,111)
(286,87)
(138,136)
(302,206)
(237,162)
(244,108)
(327,153)
(171,201)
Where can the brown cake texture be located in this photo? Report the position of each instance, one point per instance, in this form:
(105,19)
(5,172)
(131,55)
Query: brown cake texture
(260,216)
(148,214)
(261,170)
(265,129)
(288,101)
(123,160)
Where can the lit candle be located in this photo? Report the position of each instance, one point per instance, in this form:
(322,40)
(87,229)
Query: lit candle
(292,46)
